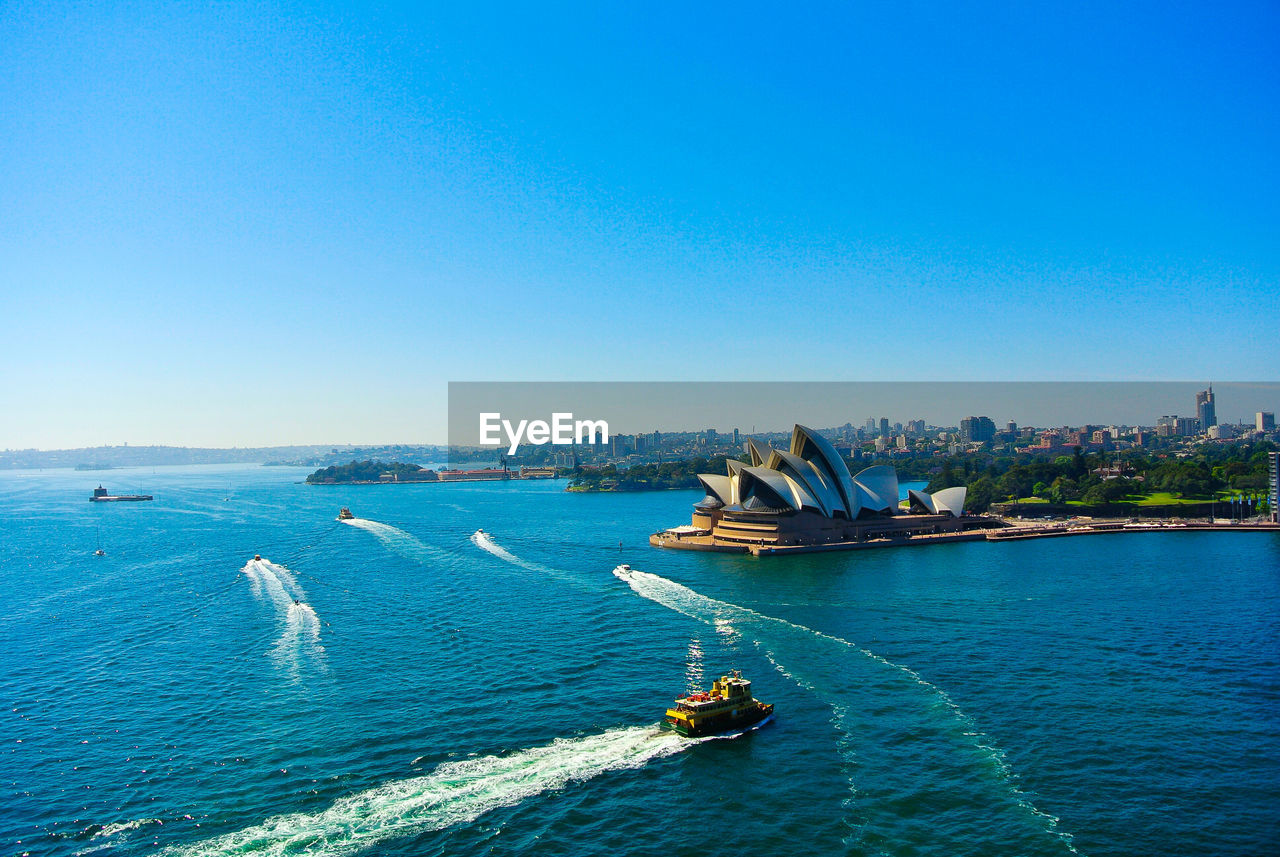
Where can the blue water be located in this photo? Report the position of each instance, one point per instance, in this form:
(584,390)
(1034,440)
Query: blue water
(434,691)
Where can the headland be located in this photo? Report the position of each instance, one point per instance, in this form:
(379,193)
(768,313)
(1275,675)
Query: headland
(806,500)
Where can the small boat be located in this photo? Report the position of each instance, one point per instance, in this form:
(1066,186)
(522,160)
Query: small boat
(99,552)
(727,707)
(257,557)
(344,514)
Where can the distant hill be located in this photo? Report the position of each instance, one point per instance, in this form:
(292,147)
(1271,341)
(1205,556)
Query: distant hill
(371,471)
(151,456)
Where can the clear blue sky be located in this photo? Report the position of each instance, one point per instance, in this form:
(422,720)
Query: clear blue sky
(266,223)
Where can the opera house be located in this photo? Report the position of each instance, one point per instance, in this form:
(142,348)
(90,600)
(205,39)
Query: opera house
(806,499)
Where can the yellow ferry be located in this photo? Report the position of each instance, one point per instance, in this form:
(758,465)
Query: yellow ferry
(729,705)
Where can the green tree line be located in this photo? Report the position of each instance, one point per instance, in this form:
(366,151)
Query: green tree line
(363,471)
(647,477)
(1206,471)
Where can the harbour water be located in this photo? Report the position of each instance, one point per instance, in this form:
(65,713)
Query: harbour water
(401,684)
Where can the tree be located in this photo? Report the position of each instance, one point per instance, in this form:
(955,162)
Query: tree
(981,494)
(1063,489)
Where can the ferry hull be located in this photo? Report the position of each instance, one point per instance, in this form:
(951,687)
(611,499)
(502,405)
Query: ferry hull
(727,722)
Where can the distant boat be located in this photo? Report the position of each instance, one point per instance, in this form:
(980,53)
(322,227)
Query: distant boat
(100,495)
(257,557)
(344,514)
(99,551)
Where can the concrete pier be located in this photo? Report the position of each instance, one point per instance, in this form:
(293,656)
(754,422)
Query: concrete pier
(986,529)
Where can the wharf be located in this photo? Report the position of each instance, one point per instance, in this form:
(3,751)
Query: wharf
(996,530)
(1021,530)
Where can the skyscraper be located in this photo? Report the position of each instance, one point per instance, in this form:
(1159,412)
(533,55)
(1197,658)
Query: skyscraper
(977,429)
(1205,410)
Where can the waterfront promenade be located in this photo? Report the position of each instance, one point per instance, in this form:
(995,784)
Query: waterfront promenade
(991,529)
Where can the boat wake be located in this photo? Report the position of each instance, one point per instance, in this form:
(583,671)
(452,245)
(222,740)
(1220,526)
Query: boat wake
(485,542)
(110,830)
(898,753)
(454,793)
(299,642)
(400,542)
(301,637)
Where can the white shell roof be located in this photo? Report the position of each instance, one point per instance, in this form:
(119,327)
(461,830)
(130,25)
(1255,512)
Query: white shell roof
(880,484)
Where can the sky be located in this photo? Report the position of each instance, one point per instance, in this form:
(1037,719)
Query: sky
(266,223)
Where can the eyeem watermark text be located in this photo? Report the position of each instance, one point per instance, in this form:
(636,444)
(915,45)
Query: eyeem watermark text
(563,430)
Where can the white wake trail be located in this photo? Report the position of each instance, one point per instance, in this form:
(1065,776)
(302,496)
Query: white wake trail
(255,578)
(300,636)
(485,542)
(300,640)
(276,581)
(400,542)
(454,793)
(728,619)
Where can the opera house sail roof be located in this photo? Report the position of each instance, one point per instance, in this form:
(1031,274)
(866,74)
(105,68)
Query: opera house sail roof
(812,477)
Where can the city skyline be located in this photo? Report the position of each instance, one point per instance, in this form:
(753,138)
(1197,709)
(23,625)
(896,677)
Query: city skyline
(269,225)
(690,407)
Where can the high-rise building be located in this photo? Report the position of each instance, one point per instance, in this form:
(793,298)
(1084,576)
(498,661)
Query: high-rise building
(1186,426)
(736,441)
(1204,409)
(884,426)
(1264,421)
(977,429)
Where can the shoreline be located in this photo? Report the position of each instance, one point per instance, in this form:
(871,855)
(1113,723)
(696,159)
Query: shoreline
(1007,531)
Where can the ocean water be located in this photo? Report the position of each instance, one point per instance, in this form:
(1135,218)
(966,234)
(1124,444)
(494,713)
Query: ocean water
(404,685)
